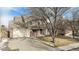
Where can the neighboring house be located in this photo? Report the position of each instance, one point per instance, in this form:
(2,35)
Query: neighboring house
(3,32)
(72,26)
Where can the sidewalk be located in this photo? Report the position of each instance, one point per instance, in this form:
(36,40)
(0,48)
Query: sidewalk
(69,47)
(63,48)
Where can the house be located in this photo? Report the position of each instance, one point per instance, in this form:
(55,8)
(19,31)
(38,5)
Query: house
(37,27)
(16,30)
(34,27)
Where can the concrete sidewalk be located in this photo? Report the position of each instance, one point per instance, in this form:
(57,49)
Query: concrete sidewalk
(69,47)
(63,48)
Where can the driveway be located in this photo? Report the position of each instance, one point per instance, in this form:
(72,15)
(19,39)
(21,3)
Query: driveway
(29,44)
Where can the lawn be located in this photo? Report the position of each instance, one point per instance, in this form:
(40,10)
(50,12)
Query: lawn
(59,41)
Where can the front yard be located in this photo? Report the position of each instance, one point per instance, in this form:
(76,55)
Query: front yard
(59,41)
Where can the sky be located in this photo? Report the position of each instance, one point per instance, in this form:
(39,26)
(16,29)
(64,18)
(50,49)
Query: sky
(69,14)
(7,13)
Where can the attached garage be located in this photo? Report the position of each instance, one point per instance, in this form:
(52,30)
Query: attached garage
(20,33)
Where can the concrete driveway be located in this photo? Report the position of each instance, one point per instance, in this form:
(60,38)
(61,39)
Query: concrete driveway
(29,44)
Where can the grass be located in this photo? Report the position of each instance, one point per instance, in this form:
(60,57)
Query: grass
(63,42)
(59,41)
(63,37)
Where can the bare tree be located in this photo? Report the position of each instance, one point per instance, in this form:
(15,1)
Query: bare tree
(50,16)
(72,22)
(20,23)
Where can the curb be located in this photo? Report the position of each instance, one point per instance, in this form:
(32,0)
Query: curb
(51,45)
(69,47)
(63,48)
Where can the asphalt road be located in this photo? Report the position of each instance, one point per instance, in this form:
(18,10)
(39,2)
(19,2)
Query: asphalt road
(28,44)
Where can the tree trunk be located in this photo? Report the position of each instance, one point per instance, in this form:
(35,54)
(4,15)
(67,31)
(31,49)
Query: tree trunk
(53,38)
(73,34)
